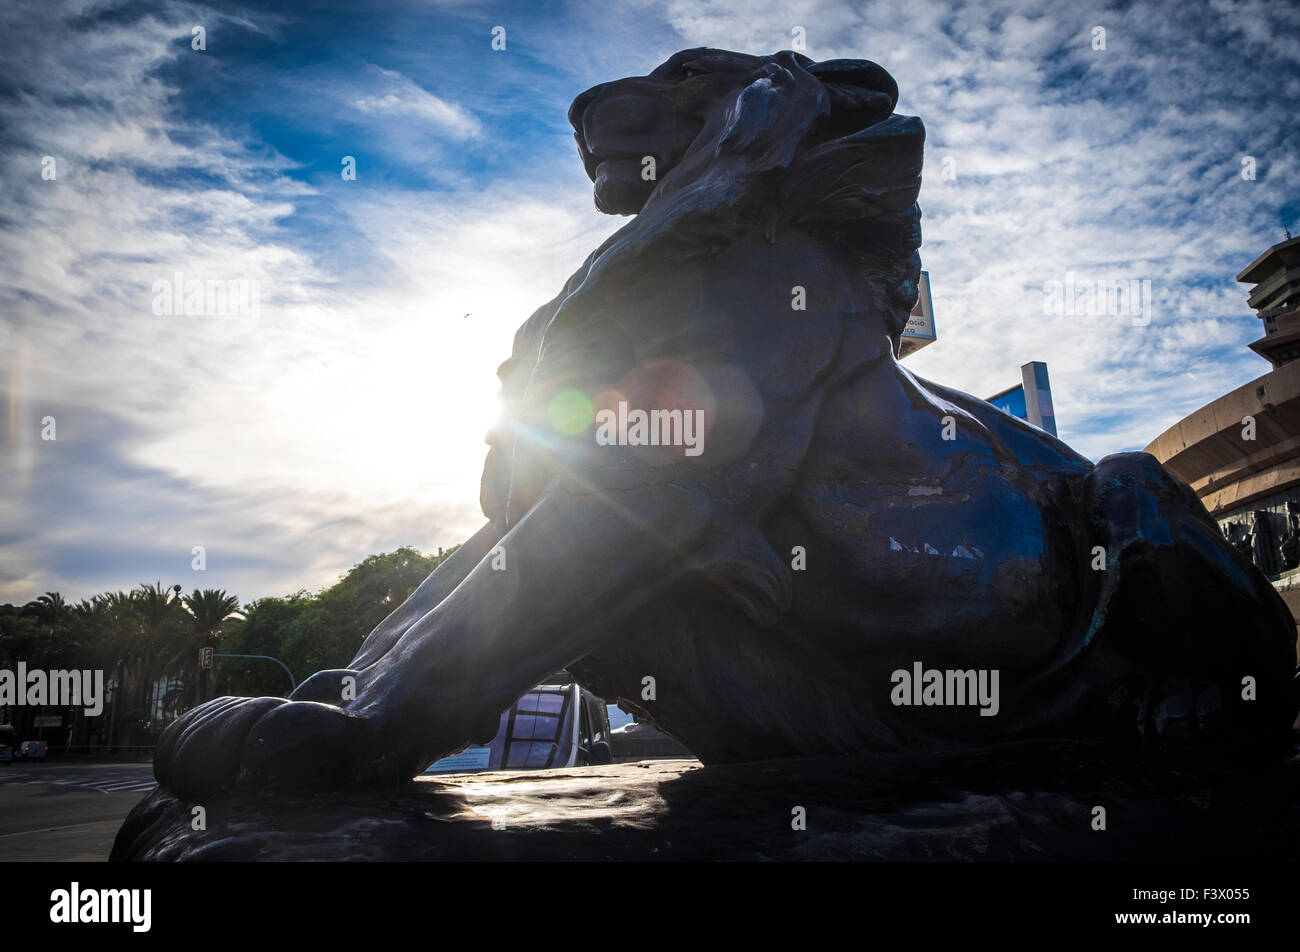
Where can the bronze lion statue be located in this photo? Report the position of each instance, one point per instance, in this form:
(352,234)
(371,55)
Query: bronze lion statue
(805,572)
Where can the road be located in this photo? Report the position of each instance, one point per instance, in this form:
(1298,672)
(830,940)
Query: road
(68,812)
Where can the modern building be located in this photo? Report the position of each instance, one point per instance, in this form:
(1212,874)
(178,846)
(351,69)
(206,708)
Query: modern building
(1276,299)
(1031,399)
(1241,452)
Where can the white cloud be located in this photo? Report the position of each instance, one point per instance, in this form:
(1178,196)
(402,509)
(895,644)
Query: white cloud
(396,96)
(294,446)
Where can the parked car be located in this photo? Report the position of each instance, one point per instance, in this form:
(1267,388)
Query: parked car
(33,750)
(7,740)
(556,724)
(642,740)
(6,754)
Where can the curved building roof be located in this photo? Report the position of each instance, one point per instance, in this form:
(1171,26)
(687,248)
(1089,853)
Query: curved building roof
(1207,449)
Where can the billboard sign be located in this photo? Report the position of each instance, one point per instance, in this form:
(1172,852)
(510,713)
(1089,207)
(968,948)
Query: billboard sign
(920,329)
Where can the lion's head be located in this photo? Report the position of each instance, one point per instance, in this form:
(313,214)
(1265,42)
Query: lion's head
(772,142)
(689,100)
(748,152)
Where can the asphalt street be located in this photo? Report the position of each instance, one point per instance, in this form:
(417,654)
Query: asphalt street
(68,812)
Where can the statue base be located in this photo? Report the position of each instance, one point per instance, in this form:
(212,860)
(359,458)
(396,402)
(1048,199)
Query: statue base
(1011,802)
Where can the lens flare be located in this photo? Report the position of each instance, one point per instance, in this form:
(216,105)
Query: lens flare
(570,412)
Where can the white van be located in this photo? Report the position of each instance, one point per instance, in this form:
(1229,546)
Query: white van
(556,724)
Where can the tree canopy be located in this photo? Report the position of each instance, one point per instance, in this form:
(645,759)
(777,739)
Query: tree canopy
(148,640)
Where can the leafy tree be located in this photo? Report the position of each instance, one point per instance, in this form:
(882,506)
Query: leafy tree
(152,635)
(269,625)
(341,617)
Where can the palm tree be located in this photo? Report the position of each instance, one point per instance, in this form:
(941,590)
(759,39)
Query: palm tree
(211,608)
(114,614)
(160,619)
(48,643)
(49,609)
(91,624)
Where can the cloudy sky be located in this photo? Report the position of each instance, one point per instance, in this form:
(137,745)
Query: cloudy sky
(344,414)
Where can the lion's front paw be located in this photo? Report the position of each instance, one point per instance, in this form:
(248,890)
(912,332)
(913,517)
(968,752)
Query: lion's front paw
(200,751)
(268,743)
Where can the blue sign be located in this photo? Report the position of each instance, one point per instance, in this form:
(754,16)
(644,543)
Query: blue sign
(1012,401)
(1031,400)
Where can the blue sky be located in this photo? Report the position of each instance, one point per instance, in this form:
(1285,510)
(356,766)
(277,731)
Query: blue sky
(346,416)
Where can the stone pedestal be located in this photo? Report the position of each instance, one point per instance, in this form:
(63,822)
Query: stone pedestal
(1015,802)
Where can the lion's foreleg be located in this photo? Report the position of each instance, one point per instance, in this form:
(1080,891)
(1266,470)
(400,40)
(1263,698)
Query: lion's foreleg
(575,565)
(328,686)
(440,583)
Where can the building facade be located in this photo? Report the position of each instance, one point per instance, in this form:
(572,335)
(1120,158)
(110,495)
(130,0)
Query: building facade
(1241,452)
